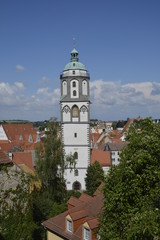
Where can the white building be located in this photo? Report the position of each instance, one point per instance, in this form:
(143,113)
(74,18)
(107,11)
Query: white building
(115,149)
(75,117)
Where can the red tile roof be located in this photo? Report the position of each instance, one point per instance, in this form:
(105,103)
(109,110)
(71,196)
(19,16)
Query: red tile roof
(95,136)
(127,125)
(85,211)
(93,223)
(4,159)
(15,131)
(23,158)
(103,157)
(73,202)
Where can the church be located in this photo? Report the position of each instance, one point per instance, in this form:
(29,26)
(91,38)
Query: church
(75,119)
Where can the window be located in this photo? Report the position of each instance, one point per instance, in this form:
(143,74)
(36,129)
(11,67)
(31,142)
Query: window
(73,72)
(21,138)
(30,138)
(64,88)
(75,135)
(75,111)
(76,172)
(74,64)
(86,234)
(76,155)
(76,186)
(74,84)
(74,93)
(69,225)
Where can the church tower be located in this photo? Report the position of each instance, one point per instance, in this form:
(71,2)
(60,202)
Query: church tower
(75,118)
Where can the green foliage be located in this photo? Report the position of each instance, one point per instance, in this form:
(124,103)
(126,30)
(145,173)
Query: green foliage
(52,163)
(132,189)
(119,124)
(114,125)
(50,166)
(94,177)
(16,218)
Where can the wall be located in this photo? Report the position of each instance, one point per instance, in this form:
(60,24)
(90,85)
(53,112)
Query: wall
(3,136)
(52,236)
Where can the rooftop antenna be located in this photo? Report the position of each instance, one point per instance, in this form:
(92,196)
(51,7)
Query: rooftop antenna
(74,43)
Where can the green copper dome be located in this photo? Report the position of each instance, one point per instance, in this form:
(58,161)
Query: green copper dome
(74,62)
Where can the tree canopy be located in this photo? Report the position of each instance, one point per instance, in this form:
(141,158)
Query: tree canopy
(52,162)
(94,177)
(16,218)
(132,189)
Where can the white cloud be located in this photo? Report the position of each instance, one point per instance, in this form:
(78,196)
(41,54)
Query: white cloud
(19,85)
(110,100)
(116,99)
(43,91)
(19,68)
(44,80)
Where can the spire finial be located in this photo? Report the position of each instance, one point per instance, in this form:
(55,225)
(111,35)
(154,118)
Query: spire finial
(74,43)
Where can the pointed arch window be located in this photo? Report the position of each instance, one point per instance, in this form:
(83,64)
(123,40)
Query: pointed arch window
(76,186)
(75,111)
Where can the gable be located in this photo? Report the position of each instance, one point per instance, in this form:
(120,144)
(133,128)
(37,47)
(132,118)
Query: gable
(3,135)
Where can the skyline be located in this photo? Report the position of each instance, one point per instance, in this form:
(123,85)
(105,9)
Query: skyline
(117,41)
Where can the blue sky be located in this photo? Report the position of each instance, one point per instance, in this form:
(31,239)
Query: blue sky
(117,40)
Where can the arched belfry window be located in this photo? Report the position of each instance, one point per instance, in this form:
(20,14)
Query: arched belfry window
(75,111)
(74,84)
(84,87)
(74,93)
(64,88)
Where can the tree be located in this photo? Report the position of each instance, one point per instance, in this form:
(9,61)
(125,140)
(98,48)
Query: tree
(16,219)
(132,189)
(50,166)
(52,162)
(94,177)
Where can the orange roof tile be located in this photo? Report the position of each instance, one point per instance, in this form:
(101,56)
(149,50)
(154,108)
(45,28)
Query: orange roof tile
(85,197)
(93,223)
(74,201)
(16,131)
(103,157)
(95,136)
(78,214)
(87,211)
(127,125)
(23,158)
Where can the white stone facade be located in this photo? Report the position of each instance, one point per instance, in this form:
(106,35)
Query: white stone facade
(75,118)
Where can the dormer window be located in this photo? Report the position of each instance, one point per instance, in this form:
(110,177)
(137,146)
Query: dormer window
(69,226)
(86,234)
(30,139)
(21,138)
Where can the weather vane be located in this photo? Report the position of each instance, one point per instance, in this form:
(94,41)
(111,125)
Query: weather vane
(74,43)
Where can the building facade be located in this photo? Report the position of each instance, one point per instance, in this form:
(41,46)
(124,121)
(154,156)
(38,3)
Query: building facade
(75,119)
